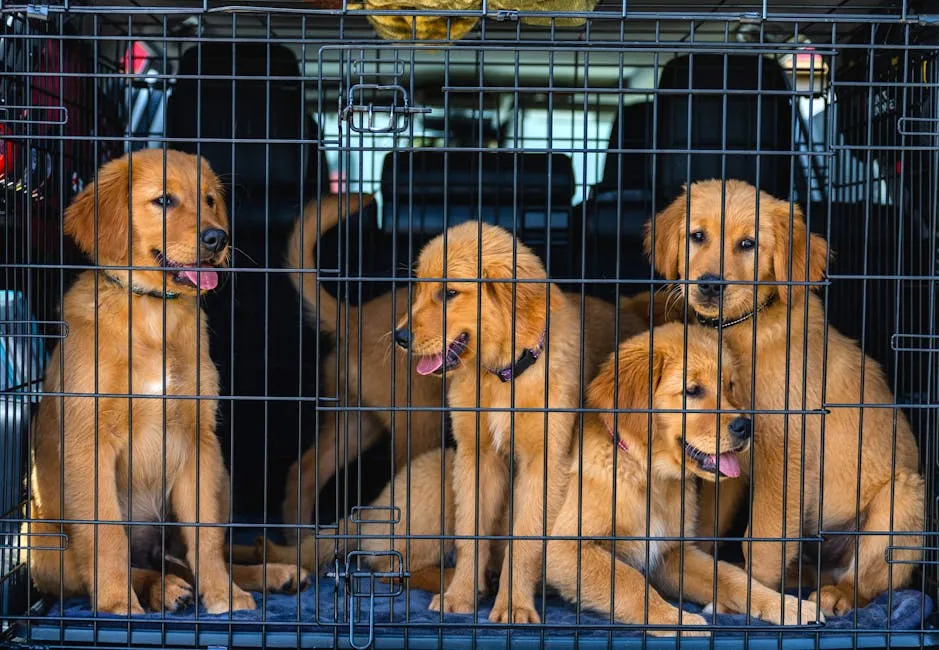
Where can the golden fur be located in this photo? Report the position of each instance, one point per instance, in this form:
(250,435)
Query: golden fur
(681,377)
(888,482)
(70,433)
(480,314)
(343,437)
(409,506)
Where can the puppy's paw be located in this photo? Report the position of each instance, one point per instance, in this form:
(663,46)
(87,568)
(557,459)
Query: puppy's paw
(284,578)
(177,594)
(219,604)
(119,606)
(693,620)
(520,613)
(451,603)
(833,601)
(807,611)
(795,611)
(716,608)
(690,620)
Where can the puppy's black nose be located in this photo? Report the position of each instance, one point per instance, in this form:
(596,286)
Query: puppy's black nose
(709,285)
(214,239)
(741,429)
(403,337)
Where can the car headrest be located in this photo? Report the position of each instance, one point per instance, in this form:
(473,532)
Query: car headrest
(247,109)
(767,106)
(420,189)
(631,171)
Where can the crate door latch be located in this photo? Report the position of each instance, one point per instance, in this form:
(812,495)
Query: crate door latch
(360,589)
(379,108)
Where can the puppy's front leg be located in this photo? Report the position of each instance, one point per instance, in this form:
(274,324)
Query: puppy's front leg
(589,581)
(111,592)
(778,502)
(204,545)
(696,583)
(529,518)
(461,596)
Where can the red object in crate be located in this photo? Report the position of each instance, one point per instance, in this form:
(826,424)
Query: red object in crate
(38,159)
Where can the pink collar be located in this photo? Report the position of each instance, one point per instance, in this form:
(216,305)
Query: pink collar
(619,441)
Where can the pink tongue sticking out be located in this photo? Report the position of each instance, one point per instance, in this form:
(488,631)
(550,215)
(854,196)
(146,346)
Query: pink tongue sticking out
(727,464)
(430,364)
(204,279)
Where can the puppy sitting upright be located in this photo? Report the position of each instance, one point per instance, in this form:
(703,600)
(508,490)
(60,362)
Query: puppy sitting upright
(503,345)
(651,473)
(778,331)
(145,449)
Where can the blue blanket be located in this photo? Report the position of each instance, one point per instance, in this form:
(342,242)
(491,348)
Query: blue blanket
(325,613)
(321,615)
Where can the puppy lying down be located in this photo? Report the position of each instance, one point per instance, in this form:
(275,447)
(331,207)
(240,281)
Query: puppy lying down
(630,474)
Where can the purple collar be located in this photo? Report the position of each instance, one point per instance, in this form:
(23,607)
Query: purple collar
(523,363)
(619,441)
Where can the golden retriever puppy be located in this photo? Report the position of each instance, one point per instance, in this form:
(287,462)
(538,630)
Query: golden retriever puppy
(363,342)
(651,473)
(502,345)
(358,369)
(883,490)
(143,334)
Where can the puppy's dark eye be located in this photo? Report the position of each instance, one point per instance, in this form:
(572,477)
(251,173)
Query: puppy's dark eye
(746,244)
(447,294)
(167,201)
(693,390)
(698,237)
(210,200)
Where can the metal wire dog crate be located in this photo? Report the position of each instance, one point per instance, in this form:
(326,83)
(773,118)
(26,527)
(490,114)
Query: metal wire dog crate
(571,128)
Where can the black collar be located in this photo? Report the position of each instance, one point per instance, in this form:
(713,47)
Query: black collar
(717,323)
(140,291)
(523,363)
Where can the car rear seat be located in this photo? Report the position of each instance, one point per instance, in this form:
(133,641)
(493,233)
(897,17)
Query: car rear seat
(425,190)
(620,204)
(708,120)
(255,319)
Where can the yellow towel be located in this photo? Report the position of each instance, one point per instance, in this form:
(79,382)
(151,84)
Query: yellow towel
(423,25)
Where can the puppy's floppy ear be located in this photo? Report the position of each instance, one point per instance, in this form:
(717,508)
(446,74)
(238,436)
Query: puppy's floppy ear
(531,303)
(112,214)
(791,243)
(665,250)
(625,381)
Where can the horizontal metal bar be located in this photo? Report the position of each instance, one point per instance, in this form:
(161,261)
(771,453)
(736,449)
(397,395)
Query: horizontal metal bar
(402,280)
(202,9)
(601,90)
(930,342)
(347,408)
(33,323)
(903,128)
(355,516)
(10,114)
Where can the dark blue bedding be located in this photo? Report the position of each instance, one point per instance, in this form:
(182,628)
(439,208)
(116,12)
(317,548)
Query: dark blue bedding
(323,612)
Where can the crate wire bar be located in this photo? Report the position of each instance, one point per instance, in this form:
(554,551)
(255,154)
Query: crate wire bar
(568,128)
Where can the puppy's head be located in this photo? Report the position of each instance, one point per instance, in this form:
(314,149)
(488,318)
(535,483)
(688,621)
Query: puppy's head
(453,320)
(786,251)
(174,227)
(712,441)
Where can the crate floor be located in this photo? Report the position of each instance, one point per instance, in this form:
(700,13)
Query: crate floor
(325,611)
